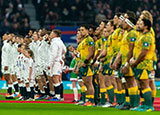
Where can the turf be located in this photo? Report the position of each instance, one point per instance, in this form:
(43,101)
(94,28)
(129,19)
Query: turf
(59,109)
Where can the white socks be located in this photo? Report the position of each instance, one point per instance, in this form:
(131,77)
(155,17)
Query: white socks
(75,94)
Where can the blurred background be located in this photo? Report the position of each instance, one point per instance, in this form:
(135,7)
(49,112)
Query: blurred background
(18,16)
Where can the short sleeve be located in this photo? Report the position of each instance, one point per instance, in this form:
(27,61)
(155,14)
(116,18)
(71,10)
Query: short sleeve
(90,41)
(30,63)
(146,42)
(131,37)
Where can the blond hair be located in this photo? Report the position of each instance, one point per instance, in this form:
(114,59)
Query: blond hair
(147,15)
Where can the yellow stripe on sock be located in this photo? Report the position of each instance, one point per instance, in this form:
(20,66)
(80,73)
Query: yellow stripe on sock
(133,91)
(106,96)
(146,90)
(83,89)
(115,91)
(127,99)
(102,90)
(110,87)
(138,92)
(154,93)
(89,96)
(123,91)
(142,99)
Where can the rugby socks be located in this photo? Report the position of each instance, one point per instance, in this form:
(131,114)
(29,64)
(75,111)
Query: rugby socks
(127,99)
(83,93)
(46,90)
(96,91)
(103,92)
(21,88)
(15,84)
(61,90)
(117,95)
(91,98)
(123,95)
(153,95)
(75,94)
(10,89)
(32,93)
(110,91)
(28,89)
(57,90)
(147,94)
(133,91)
(141,97)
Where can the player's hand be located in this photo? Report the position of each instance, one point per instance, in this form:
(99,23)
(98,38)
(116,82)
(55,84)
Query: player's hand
(100,68)
(29,79)
(84,65)
(110,64)
(6,68)
(132,63)
(125,70)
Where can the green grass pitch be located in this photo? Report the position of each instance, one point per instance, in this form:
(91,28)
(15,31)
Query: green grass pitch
(61,109)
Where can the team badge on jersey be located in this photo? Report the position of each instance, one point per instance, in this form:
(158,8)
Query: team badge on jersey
(133,39)
(145,44)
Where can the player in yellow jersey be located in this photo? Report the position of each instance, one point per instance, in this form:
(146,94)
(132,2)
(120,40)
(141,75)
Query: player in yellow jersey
(87,53)
(126,50)
(147,15)
(143,62)
(107,72)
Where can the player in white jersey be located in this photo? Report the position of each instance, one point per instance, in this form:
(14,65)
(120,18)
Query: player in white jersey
(29,74)
(54,65)
(14,54)
(6,48)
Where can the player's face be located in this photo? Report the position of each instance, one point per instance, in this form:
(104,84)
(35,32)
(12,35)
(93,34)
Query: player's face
(91,31)
(141,25)
(108,27)
(115,20)
(138,25)
(78,34)
(97,31)
(5,37)
(101,26)
(9,37)
(83,31)
(13,40)
(105,33)
(70,48)
(52,35)
(125,25)
(35,36)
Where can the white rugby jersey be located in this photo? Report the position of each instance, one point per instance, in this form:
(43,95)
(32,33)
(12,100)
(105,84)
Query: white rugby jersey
(56,51)
(42,52)
(6,50)
(14,54)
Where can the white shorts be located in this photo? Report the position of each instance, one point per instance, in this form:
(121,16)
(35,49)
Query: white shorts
(13,70)
(56,70)
(39,70)
(73,79)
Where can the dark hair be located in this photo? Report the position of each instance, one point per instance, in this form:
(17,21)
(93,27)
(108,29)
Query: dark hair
(118,14)
(85,26)
(19,45)
(92,27)
(31,53)
(105,22)
(57,32)
(131,14)
(133,20)
(147,23)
